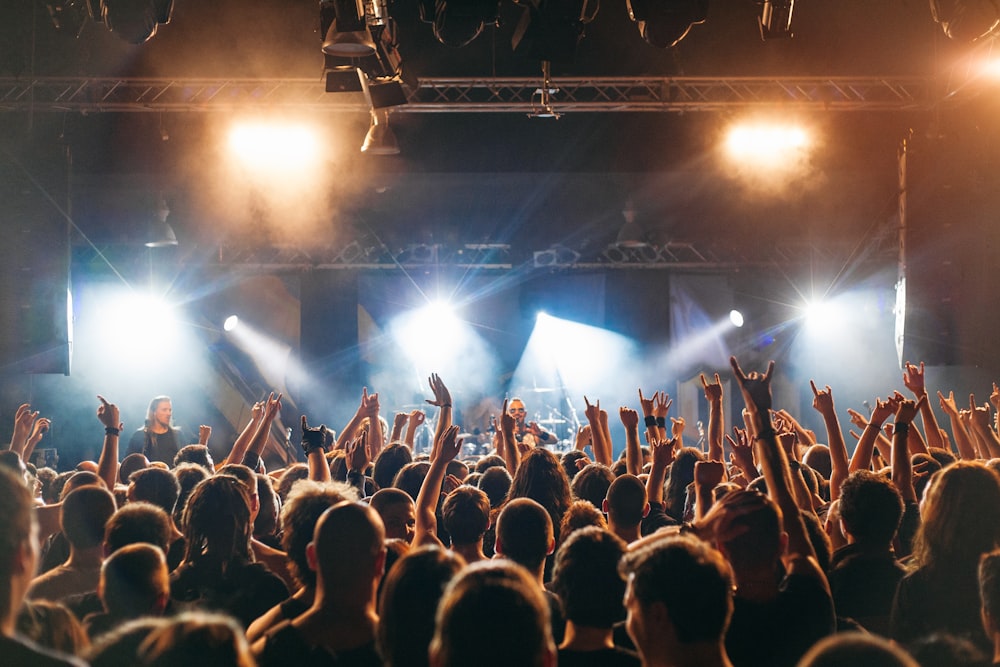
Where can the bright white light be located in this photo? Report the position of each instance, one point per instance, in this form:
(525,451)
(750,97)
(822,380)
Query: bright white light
(231,323)
(138,328)
(736,317)
(434,338)
(821,316)
(766,144)
(274,146)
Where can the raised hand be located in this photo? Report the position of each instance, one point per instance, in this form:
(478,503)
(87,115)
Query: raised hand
(662,452)
(883,409)
(907,410)
(257,411)
(742,450)
(108,414)
(507,422)
(913,378)
(442,397)
(629,417)
(709,473)
(857,418)
(592,412)
(822,400)
(358,453)
(315,437)
(756,388)
(583,437)
(713,390)
(980,415)
(677,426)
(661,404)
(450,445)
(948,403)
(369,404)
(204,433)
(273,406)
(646,404)
(995,396)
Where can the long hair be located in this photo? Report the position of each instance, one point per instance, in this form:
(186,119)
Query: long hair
(151,410)
(541,478)
(216,523)
(960,519)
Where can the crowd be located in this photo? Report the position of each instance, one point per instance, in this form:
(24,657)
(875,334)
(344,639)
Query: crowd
(763,547)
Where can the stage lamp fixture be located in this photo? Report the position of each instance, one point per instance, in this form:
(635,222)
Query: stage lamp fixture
(551,30)
(664,23)
(380,140)
(457,23)
(345,27)
(775,21)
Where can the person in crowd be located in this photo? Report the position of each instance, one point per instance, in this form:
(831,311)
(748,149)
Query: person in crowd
(158,439)
(134,583)
(626,506)
(527,431)
(397,511)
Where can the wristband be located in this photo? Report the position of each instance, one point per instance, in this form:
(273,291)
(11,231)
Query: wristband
(650,421)
(661,422)
(901,428)
(111,430)
(446,405)
(766,433)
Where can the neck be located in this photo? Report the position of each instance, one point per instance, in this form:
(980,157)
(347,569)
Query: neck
(348,622)
(158,428)
(628,533)
(84,558)
(690,655)
(472,553)
(586,638)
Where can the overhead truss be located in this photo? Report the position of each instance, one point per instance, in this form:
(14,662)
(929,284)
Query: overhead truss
(520,95)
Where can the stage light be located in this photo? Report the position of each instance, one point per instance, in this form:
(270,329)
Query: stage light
(775,20)
(736,318)
(274,146)
(820,315)
(766,144)
(231,323)
(347,35)
(380,139)
(663,24)
(551,30)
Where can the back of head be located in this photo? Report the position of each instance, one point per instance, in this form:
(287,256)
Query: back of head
(490,461)
(681,475)
(690,579)
(960,518)
(16,529)
(495,483)
(196,638)
(136,523)
(817,457)
(305,505)
(540,477)
(626,501)
(268,521)
(858,650)
(411,477)
(592,483)
(120,646)
(85,512)
(524,533)
(580,515)
(130,464)
(989,586)
(289,477)
(79,480)
(870,508)
(197,454)
(487,600)
(755,522)
(410,595)
(586,578)
(349,543)
(53,626)
(135,581)
(156,486)
(11,462)
(216,522)
(568,462)
(389,462)
(188,475)
(466,515)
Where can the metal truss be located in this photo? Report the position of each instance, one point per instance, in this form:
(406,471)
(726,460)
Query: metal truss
(451,95)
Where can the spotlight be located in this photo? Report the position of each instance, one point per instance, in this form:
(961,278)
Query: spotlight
(551,30)
(459,23)
(160,234)
(966,20)
(231,323)
(663,23)
(347,34)
(736,317)
(775,21)
(380,139)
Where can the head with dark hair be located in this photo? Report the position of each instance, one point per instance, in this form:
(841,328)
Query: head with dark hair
(989,589)
(489,461)
(858,650)
(568,461)
(120,646)
(688,580)
(389,462)
(130,464)
(586,578)
(940,648)
(305,505)
(197,638)
(410,477)
(592,483)
(11,461)
(216,524)
(540,478)
(457,469)
(197,454)
(817,457)
(960,518)
(156,486)
(487,600)
(754,521)
(466,515)
(154,405)
(681,475)
(580,515)
(942,456)
(397,511)
(626,501)
(135,581)
(348,550)
(85,511)
(495,483)
(18,536)
(524,533)
(46,482)
(78,480)
(818,538)
(188,475)
(410,595)
(53,626)
(137,522)
(870,508)
(291,474)
(928,465)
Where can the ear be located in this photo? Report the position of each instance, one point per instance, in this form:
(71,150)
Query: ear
(311,557)
(552,546)
(160,605)
(604,505)
(497,547)
(380,562)
(645,511)
(783,541)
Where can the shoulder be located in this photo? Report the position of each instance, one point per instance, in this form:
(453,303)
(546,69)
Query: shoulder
(18,652)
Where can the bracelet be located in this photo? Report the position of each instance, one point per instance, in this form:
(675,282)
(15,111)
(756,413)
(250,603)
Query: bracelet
(446,405)
(766,433)
(901,428)
(111,430)
(650,421)
(661,422)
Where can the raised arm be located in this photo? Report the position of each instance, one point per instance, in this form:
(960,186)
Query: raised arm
(716,417)
(913,379)
(359,455)
(963,439)
(350,430)
(239,450)
(823,403)
(262,432)
(662,455)
(707,475)
(398,424)
(902,468)
(23,420)
(862,459)
(756,390)
(442,399)
(983,428)
(633,452)
(430,490)
(602,450)
(506,442)
(107,464)
(413,422)
(806,437)
(314,445)
(741,454)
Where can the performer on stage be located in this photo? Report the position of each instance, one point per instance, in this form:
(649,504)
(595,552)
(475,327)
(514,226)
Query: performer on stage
(159,439)
(525,430)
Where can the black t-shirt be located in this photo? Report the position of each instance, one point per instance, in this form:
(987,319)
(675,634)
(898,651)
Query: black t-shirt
(605,657)
(938,601)
(863,584)
(21,652)
(156,446)
(245,591)
(778,632)
(285,645)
